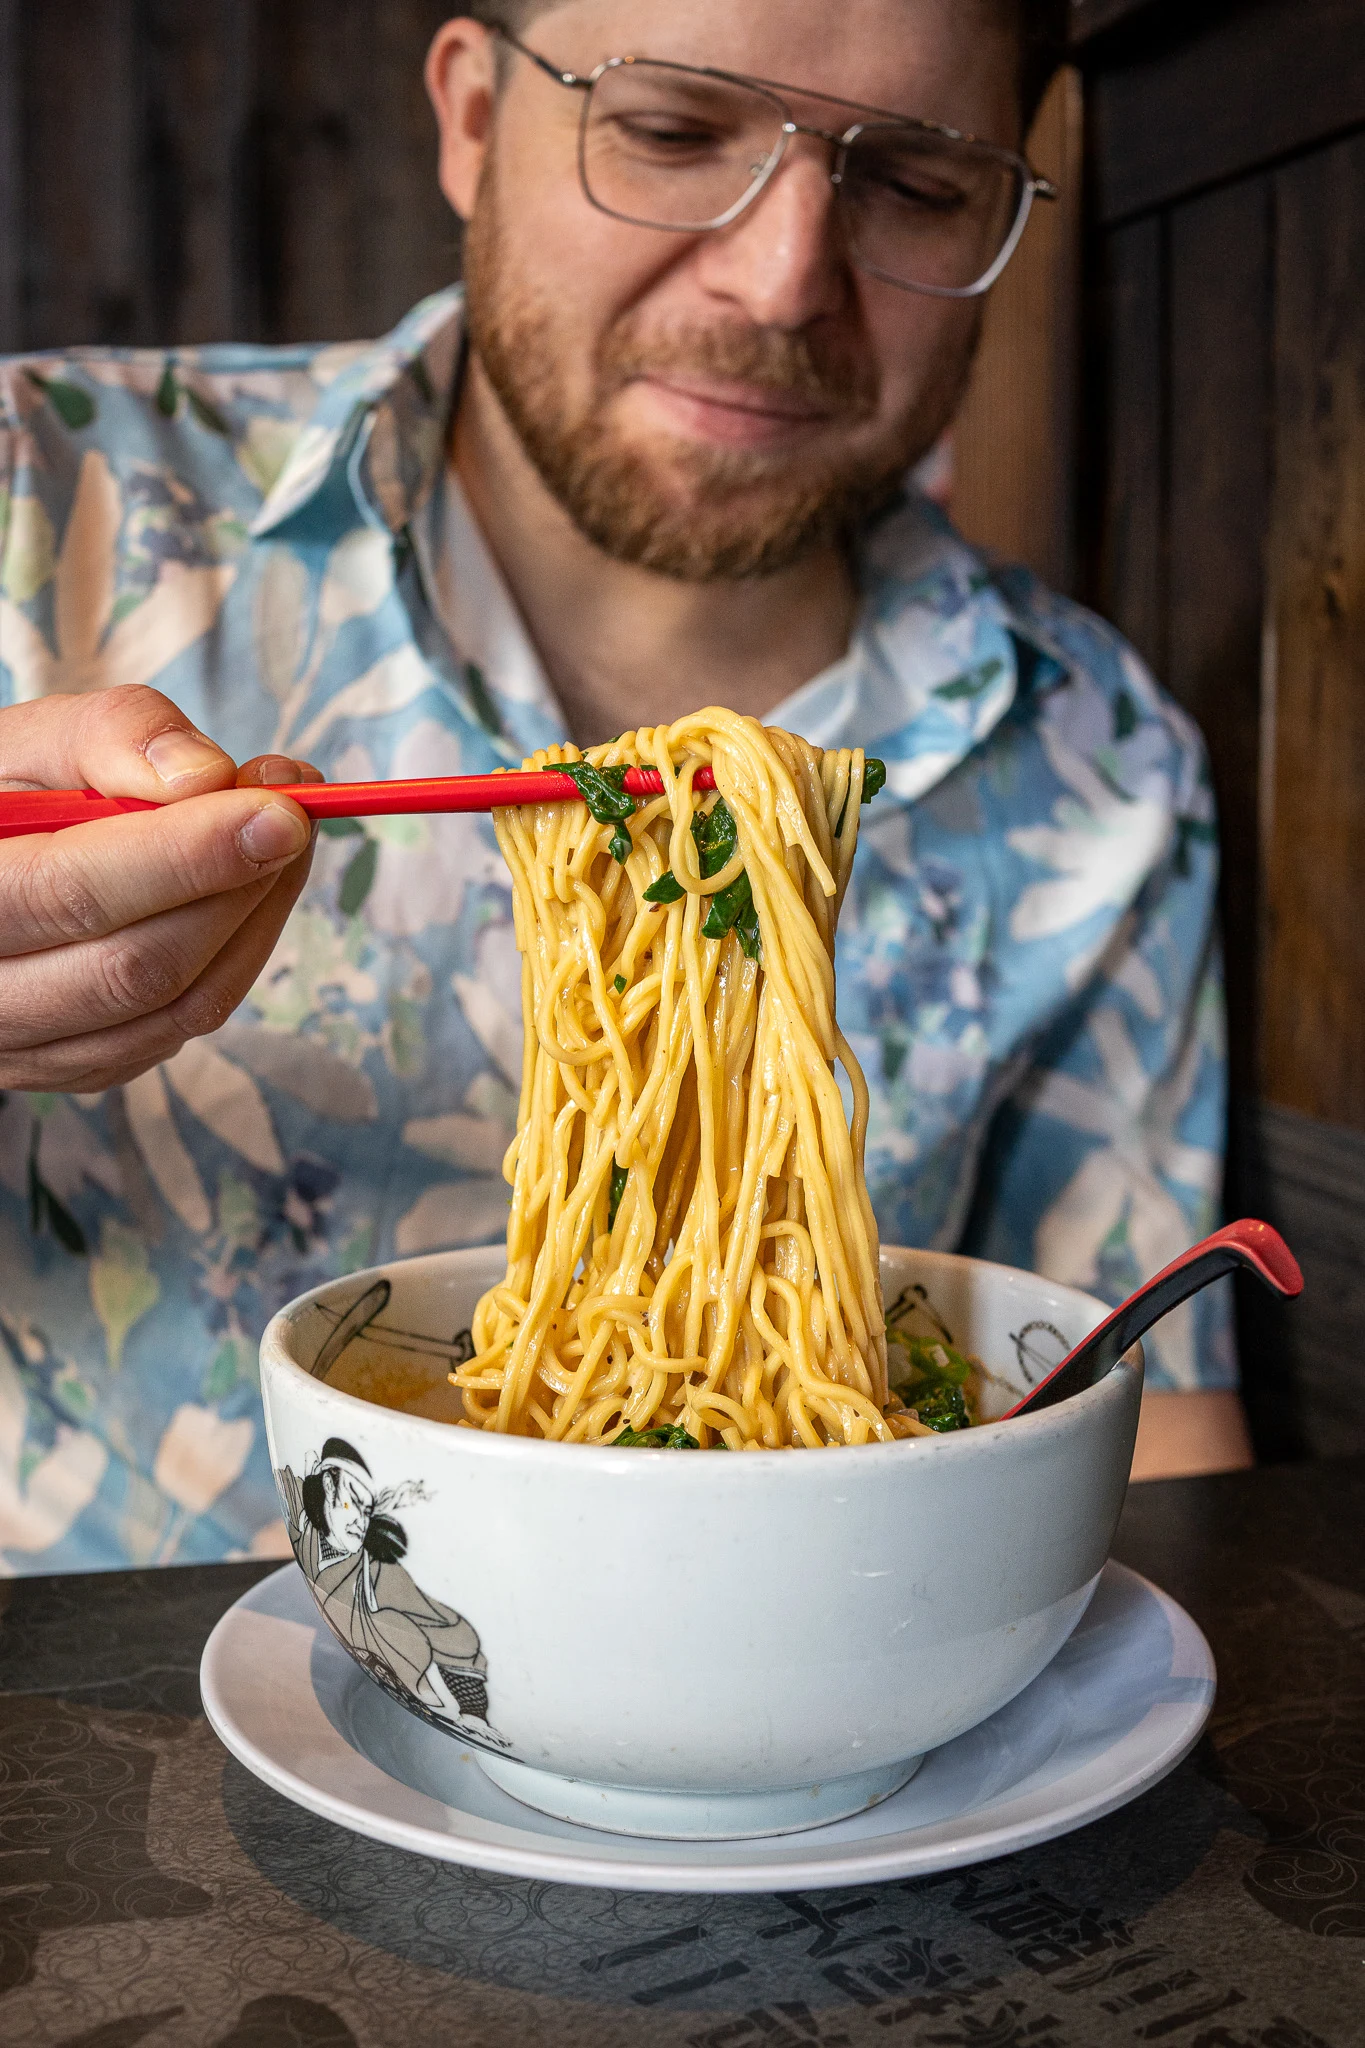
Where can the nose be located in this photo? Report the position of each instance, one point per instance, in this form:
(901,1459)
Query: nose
(781,262)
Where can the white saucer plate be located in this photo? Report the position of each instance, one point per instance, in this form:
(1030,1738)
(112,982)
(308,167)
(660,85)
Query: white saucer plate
(1118,1708)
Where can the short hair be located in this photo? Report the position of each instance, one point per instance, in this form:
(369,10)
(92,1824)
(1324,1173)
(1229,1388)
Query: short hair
(1043,27)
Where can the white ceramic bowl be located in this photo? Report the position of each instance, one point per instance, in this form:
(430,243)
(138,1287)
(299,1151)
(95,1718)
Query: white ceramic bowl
(695,1646)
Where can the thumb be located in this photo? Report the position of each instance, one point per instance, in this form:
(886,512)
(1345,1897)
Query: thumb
(129,742)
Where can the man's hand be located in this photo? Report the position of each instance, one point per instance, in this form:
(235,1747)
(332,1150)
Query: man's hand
(121,939)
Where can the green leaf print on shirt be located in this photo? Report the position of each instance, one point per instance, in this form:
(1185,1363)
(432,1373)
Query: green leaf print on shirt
(76,408)
(972,683)
(485,710)
(233,1362)
(405,1041)
(208,416)
(28,560)
(358,879)
(45,1211)
(123,1287)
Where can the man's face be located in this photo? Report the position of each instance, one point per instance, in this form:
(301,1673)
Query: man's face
(714,405)
(350,1505)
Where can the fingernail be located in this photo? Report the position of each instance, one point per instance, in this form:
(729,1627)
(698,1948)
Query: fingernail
(272,834)
(177,755)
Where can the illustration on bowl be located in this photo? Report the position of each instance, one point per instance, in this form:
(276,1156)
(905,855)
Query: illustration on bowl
(350,1547)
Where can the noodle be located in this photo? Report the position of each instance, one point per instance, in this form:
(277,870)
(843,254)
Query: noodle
(691,1246)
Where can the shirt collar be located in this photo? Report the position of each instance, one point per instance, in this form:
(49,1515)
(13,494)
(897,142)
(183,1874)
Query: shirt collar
(377,433)
(944,641)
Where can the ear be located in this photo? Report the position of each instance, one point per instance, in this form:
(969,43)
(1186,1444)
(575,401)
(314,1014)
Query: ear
(462,85)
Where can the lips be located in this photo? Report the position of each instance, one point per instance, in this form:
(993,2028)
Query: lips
(726,413)
(760,401)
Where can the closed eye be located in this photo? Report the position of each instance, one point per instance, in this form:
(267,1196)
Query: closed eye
(893,181)
(666,137)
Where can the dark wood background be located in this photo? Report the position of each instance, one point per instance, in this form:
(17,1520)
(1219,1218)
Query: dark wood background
(1222,490)
(202,170)
(263,169)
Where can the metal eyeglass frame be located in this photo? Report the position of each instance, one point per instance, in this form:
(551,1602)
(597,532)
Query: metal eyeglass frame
(1032,185)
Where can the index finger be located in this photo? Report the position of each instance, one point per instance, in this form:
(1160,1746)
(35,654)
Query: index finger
(60,888)
(128,742)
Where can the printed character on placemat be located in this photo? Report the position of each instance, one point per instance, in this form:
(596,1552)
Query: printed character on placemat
(350,1546)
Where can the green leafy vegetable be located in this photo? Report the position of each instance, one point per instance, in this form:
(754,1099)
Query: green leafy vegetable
(668,889)
(945,1409)
(930,1358)
(874,782)
(662,1439)
(619,1176)
(716,837)
(603,791)
(732,910)
(937,1386)
(748,933)
(727,908)
(620,984)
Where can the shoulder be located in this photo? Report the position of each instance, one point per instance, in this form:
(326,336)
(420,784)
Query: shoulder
(204,415)
(1102,705)
(1079,681)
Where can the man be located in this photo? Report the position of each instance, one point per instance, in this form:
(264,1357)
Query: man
(655,461)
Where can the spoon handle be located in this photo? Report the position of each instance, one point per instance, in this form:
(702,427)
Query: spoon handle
(1246,1243)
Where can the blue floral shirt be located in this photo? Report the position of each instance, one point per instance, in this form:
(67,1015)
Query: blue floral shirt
(1028,958)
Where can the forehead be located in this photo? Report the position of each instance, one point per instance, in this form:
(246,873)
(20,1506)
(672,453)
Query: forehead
(943,60)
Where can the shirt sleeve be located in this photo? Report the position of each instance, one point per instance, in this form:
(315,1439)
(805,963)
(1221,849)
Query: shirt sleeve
(1105,1161)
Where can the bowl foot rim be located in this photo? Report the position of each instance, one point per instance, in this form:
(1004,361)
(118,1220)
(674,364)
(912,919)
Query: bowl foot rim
(673,1816)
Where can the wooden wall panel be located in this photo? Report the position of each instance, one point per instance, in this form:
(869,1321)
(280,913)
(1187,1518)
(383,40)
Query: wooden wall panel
(197,170)
(343,224)
(1226,416)
(1014,441)
(195,68)
(1218,506)
(1128,364)
(83,274)
(11,168)
(1301,1360)
(1314,968)
(1210,89)
(413,236)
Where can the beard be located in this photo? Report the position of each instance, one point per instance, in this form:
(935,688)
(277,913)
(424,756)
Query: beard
(685,509)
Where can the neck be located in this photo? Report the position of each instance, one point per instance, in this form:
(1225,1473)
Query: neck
(622,646)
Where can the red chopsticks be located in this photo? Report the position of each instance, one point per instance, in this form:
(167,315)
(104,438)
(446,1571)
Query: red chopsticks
(52,810)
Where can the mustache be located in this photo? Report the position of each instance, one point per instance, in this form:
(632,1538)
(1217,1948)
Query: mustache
(802,364)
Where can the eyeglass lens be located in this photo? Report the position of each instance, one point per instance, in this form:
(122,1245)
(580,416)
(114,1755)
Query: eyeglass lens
(672,148)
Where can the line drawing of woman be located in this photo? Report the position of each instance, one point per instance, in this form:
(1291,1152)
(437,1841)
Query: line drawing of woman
(350,1545)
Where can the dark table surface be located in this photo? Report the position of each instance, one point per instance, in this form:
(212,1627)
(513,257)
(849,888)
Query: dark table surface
(151,1891)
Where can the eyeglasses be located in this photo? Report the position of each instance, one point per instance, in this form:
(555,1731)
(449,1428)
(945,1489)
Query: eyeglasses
(687,149)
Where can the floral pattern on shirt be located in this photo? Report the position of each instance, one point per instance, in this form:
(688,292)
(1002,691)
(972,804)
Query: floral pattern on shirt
(1028,959)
